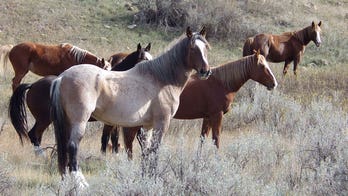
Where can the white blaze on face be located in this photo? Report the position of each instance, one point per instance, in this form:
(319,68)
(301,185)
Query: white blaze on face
(270,71)
(201,45)
(318,38)
(148,56)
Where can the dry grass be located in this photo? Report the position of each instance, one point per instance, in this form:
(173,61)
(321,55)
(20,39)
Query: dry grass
(292,141)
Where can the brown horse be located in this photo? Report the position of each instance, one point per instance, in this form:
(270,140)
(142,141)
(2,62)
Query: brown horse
(46,60)
(143,54)
(147,95)
(210,99)
(288,47)
(37,99)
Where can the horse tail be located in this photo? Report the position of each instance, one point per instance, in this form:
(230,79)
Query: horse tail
(4,55)
(247,50)
(17,111)
(59,119)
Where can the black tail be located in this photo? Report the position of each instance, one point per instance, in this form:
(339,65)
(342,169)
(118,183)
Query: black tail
(59,123)
(17,111)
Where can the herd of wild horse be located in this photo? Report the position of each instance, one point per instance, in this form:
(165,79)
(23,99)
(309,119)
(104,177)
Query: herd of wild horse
(139,93)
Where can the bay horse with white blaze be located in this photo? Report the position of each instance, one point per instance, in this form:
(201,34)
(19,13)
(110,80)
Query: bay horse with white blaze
(46,60)
(37,98)
(135,57)
(147,95)
(212,98)
(288,47)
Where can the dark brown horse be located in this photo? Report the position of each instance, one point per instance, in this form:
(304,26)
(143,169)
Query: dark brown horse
(135,57)
(210,99)
(37,99)
(288,47)
(46,60)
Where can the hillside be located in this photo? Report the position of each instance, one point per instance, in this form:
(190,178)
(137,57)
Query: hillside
(290,141)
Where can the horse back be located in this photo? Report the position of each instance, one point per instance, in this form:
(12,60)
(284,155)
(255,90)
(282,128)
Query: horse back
(260,42)
(117,58)
(43,59)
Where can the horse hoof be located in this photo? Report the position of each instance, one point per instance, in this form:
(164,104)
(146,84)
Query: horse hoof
(39,151)
(80,179)
(73,184)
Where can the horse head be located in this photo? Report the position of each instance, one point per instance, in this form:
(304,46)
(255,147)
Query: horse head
(315,33)
(261,72)
(103,64)
(197,52)
(144,53)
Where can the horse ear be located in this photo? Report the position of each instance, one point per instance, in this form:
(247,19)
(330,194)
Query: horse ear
(188,32)
(148,47)
(138,47)
(203,32)
(319,24)
(103,62)
(313,24)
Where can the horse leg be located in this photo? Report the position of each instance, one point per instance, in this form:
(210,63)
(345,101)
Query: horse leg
(76,135)
(35,135)
(16,80)
(296,62)
(129,134)
(114,139)
(150,152)
(206,126)
(216,126)
(286,67)
(105,137)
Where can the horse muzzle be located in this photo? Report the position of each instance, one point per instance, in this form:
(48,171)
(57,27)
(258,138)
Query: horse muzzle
(204,75)
(271,87)
(317,42)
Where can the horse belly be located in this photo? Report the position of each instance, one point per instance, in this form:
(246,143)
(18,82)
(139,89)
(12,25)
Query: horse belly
(125,102)
(124,113)
(278,54)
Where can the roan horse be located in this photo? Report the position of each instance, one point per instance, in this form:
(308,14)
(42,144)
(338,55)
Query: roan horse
(38,100)
(46,60)
(147,95)
(215,94)
(287,47)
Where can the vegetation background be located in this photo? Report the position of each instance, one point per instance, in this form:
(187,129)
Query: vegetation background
(291,141)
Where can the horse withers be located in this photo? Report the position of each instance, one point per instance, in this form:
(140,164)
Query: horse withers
(37,99)
(46,60)
(215,94)
(147,95)
(288,47)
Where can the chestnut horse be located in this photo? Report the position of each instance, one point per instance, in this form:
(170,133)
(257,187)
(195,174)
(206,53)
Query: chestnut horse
(37,99)
(288,47)
(46,60)
(215,95)
(147,95)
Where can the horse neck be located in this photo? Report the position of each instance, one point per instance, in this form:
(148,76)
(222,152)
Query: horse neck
(303,36)
(170,68)
(234,74)
(80,56)
(129,62)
